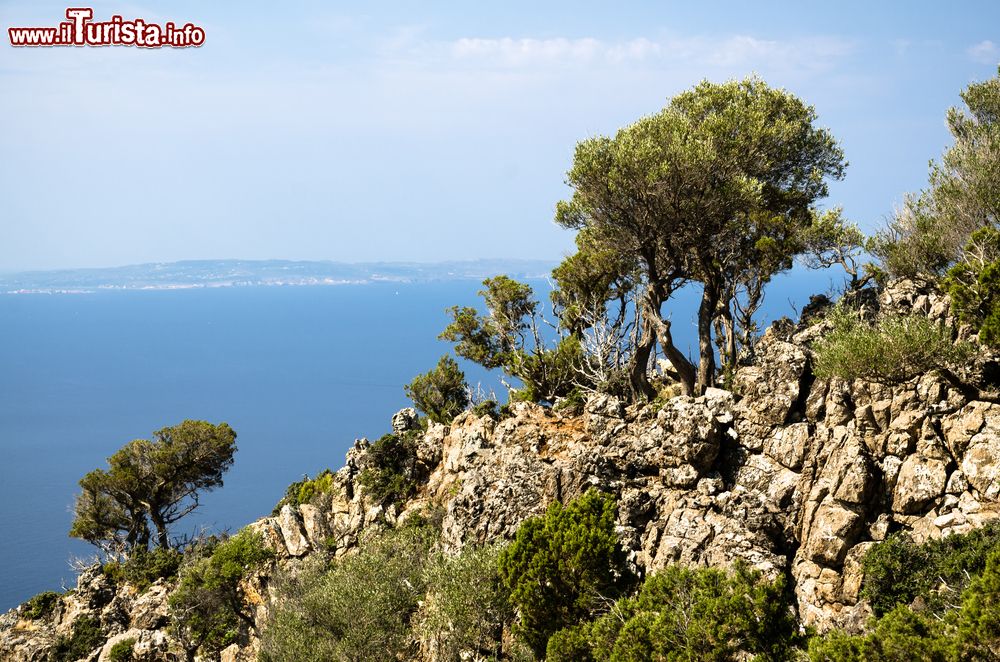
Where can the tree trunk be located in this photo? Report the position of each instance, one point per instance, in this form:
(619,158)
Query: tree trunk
(638,377)
(684,368)
(162,539)
(706,352)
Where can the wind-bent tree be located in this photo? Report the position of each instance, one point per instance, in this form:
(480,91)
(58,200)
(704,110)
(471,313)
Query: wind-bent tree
(509,336)
(715,189)
(151,484)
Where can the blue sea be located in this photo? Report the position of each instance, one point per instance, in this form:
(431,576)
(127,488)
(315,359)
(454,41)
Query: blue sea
(298,372)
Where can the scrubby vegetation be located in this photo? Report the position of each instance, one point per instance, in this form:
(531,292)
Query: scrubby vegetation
(211,598)
(899,572)
(561,567)
(122,651)
(688,614)
(85,636)
(358,608)
(306,490)
(891,350)
(144,567)
(936,601)
(40,606)
(441,393)
(388,474)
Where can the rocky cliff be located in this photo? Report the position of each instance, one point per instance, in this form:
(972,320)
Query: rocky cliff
(787,472)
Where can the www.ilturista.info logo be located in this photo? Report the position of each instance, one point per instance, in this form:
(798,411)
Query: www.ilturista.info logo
(80,30)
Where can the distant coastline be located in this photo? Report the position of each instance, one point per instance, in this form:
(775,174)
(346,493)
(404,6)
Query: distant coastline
(201,274)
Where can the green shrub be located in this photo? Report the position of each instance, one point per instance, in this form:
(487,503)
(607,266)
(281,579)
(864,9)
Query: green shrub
(572,404)
(467,606)
(974,285)
(388,473)
(358,609)
(685,613)
(143,567)
(571,644)
(40,606)
(979,617)
(897,571)
(899,636)
(209,605)
(440,393)
(84,638)
(122,651)
(561,566)
(892,350)
(305,490)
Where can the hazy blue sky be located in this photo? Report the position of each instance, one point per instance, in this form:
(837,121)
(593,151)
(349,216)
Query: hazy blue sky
(426,131)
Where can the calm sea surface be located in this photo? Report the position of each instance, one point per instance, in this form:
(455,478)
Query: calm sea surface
(298,372)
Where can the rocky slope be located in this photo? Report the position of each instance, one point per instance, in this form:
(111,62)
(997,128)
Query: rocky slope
(789,473)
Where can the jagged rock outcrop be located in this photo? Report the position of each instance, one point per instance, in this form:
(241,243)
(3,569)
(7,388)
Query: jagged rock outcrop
(787,473)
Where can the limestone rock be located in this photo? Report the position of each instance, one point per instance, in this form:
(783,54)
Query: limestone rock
(291,531)
(921,480)
(405,420)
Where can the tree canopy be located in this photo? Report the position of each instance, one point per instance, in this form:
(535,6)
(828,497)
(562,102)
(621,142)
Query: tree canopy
(150,485)
(716,189)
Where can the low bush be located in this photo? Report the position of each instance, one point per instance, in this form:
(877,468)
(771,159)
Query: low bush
(941,602)
(685,613)
(562,566)
(466,607)
(357,609)
(898,571)
(144,567)
(122,651)
(305,490)
(389,466)
(209,605)
(974,285)
(892,350)
(83,639)
(41,606)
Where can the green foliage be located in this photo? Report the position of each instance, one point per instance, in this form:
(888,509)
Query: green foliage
(892,350)
(897,571)
(441,393)
(84,638)
(830,240)
(689,614)
(305,490)
(979,618)
(358,609)
(917,243)
(151,483)
(209,604)
(122,651)
(713,189)
(508,336)
(953,585)
(572,404)
(487,408)
(931,232)
(974,285)
(466,606)
(561,566)
(899,636)
(388,473)
(41,606)
(144,567)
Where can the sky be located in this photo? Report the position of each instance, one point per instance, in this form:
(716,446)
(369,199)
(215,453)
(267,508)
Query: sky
(427,131)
